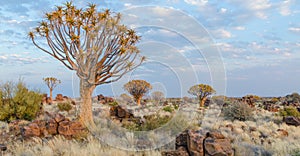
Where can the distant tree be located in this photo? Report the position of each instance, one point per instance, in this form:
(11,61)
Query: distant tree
(137,88)
(94,44)
(51,83)
(158,96)
(202,91)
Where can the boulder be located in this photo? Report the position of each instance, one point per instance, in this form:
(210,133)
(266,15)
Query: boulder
(181,151)
(195,143)
(51,127)
(3,147)
(121,112)
(59,117)
(291,120)
(282,132)
(49,100)
(64,128)
(76,127)
(218,147)
(181,140)
(59,97)
(32,130)
(42,126)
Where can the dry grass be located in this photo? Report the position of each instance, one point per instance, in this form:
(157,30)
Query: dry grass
(59,146)
(247,142)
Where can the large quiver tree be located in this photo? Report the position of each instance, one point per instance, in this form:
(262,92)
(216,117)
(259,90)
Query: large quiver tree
(94,44)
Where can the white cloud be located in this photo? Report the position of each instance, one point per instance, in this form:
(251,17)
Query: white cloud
(240,28)
(294,29)
(196,2)
(284,9)
(257,8)
(223,10)
(221,33)
(3,57)
(259,4)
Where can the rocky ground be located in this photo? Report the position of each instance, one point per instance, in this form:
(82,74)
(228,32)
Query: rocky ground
(209,131)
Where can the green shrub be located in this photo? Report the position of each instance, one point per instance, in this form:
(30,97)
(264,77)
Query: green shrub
(65,106)
(151,122)
(289,111)
(238,111)
(168,109)
(115,103)
(18,102)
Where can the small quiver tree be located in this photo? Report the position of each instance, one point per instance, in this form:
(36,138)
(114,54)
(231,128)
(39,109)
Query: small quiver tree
(201,91)
(137,88)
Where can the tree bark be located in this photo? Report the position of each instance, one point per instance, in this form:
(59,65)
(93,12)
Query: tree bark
(51,90)
(202,101)
(86,113)
(138,101)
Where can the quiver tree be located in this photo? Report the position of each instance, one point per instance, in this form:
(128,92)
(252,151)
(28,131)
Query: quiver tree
(137,88)
(202,91)
(51,83)
(94,44)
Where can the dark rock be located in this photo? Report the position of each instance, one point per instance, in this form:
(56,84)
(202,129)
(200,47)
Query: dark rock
(290,120)
(181,151)
(64,128)
(195,143)
(215,135)
(51,127)
(121,112)
(3,147)
(59,117)
(218,147)
(181,140)
(59,97)
(42,126)
(32,130)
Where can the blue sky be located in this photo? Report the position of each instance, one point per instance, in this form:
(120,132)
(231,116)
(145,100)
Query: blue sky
(252,44)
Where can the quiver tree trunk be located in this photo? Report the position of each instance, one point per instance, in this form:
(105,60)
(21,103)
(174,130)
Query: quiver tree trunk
(51,95)
(138,101)
(202,101)
(86,114)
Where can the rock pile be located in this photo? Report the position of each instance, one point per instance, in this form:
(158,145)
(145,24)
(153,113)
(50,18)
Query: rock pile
(104,100)
(57,124)
(193,143)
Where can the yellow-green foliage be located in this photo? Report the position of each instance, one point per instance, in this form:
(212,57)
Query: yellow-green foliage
(201,90)
(168,109)
(289,111)
(137,88)
(18,102)
(151,122)
(65,106)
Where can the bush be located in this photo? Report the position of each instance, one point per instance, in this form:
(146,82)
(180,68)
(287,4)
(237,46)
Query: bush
(151,122)
(168,109)
(18,102)
(289,111)
(65,106)
(238,111)
(115,103)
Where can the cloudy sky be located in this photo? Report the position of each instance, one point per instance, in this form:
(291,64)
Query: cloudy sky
(238,47)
